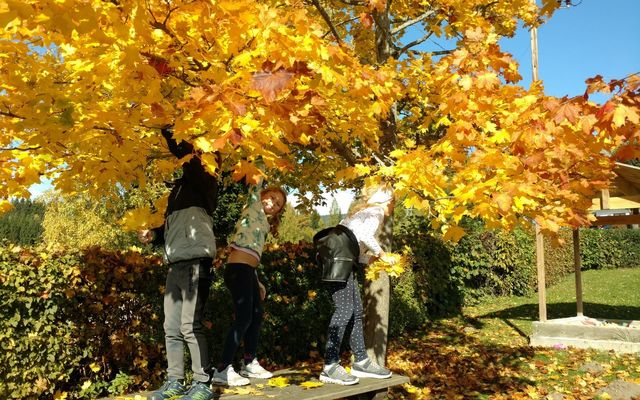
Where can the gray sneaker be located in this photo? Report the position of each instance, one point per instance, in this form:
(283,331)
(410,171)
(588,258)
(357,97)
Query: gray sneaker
(336,374)
(369,369)
(171,388)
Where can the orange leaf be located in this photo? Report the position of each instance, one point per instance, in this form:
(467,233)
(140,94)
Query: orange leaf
(246,170)
(504,201)
(366,20)
(567,111)
(627,152)
(271,83)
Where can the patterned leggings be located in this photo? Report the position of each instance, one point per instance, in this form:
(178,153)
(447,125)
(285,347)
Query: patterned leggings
(347,314)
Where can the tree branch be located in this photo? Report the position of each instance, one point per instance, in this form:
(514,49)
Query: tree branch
(327,19)
(340,24)
(344,151)
(11,115)
(416,42)
(353,3)
(413,21)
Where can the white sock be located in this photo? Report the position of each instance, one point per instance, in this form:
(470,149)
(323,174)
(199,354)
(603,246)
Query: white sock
(361,363)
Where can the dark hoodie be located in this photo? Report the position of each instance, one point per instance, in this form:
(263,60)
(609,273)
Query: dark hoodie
(187,232)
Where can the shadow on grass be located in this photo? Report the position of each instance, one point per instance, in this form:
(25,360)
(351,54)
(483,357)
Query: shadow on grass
(529,312)
(449,360)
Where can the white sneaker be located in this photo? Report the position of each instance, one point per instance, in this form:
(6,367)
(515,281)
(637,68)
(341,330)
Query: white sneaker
(228,377)
(254,370)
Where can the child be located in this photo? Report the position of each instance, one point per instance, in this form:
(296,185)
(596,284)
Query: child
(192,202)
(259,217)
(351,240)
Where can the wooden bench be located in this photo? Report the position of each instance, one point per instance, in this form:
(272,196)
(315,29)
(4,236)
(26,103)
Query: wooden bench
(366,389)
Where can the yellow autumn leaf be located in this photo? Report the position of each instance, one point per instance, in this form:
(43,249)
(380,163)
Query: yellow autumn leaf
(311,384)
(94,367)
(58,395)
(279,381)
(452,233)
(203,144)
(5,205)
(393,264)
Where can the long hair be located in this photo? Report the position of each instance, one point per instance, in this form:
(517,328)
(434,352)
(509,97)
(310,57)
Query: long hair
(274,219)
(361,202)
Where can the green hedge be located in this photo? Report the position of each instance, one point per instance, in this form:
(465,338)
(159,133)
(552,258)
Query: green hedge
(68,320)
(491,263)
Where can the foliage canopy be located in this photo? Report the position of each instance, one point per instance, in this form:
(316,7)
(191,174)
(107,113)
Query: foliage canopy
(325,92)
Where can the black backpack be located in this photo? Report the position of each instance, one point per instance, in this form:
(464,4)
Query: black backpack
(337,252)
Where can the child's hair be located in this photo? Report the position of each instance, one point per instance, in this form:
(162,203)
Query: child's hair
(362,201)
(274,219)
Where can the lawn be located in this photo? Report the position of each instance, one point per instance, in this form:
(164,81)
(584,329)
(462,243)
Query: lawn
(485,354)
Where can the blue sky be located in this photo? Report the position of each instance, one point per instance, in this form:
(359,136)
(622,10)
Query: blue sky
(595,37)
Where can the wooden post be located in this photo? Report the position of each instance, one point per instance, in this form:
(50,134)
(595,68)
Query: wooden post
(578,270)
(542,290)
(534,53)
(604,199)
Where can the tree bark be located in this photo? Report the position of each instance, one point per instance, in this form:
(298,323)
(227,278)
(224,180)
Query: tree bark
(377,295)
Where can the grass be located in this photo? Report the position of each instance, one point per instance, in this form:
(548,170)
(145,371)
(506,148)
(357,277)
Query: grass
(484,354)
(609,294)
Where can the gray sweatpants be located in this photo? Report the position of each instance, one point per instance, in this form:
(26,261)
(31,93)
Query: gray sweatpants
(186,292)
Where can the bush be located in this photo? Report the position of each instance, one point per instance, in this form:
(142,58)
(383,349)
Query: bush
(495,263)
(437,282)
(72,322)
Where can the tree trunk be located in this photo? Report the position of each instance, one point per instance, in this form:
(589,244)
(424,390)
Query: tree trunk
(378,293)
(376,305)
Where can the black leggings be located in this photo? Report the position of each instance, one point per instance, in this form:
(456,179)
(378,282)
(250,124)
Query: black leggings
(347,313)
(242,282)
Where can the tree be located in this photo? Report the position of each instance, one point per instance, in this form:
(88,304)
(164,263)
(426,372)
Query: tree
(87,84)
(80,222)
(335,214)
(295,226)
(315,221)
(324,92)
(23,224)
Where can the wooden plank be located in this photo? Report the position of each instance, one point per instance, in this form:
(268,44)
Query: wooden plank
(542,290)
(577,264)
(617,220)
(367,387)
(617,203)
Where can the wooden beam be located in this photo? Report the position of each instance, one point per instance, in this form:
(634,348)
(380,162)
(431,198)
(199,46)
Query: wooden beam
(542,290)
(577,264)
(604,199)
(617,220)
